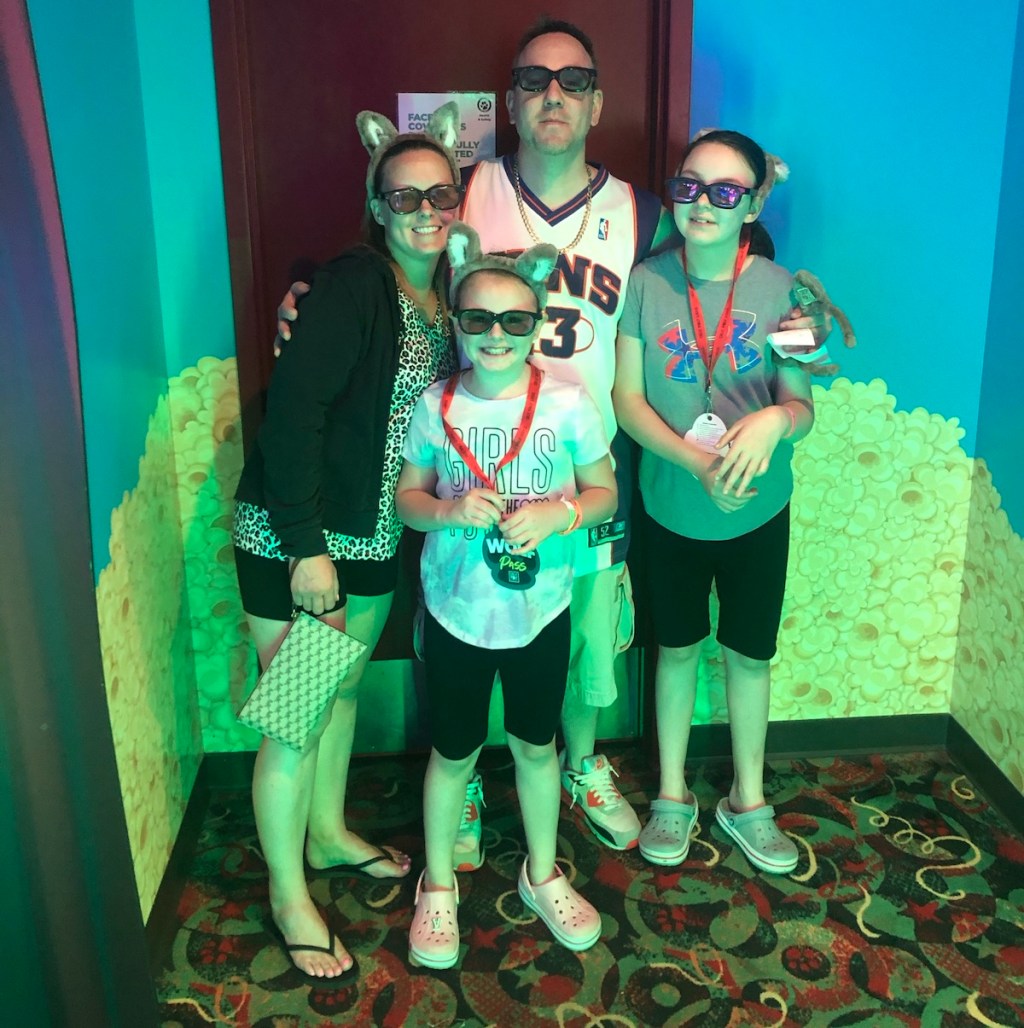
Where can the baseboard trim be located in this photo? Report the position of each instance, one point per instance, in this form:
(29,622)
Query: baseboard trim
(849,736)
(229,771)
(985,773)
(162,923)
(829,737)
(817,737)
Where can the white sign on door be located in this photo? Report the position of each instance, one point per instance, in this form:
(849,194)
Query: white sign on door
(477,128)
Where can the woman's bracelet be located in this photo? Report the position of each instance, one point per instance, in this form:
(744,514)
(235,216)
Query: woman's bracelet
(575,512)
(792,422)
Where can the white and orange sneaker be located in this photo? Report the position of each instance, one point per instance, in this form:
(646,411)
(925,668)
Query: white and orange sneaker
(469,854)
(606,810)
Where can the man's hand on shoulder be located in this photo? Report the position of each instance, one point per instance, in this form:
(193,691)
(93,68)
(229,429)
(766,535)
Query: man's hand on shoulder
(287,312)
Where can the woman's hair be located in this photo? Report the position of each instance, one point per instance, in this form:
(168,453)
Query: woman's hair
(760,241)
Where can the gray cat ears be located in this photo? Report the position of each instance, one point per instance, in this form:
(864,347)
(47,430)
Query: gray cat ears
(533,266)
(778,171)
(380,137)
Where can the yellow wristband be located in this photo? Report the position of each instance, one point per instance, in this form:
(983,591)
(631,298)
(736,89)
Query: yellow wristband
(573,506)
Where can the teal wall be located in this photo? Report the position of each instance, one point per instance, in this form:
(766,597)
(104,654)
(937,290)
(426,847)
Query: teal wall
(129,98)
(130,105)
(892,117)
(91,86)
(183,148)
(1000,424)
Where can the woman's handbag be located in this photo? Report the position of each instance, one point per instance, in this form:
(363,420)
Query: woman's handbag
(293,692)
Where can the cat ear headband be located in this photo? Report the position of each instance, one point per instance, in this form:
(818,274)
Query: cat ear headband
(380,137)
(533,266)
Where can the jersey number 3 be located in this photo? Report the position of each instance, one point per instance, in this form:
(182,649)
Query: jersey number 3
(562,323)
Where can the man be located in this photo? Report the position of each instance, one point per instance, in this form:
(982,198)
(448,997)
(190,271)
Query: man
(548,192)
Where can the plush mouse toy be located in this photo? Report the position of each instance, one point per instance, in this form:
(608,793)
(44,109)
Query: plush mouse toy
(813,299)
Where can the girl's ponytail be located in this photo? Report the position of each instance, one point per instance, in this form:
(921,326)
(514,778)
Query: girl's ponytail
(761,244)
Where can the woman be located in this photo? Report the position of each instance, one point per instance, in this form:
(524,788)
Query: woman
(315,522)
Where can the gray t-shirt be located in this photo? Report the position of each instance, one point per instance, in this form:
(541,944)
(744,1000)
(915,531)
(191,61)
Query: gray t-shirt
(657,311)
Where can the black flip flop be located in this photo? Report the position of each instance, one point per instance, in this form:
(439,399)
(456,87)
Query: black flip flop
(355,870)
(337,981)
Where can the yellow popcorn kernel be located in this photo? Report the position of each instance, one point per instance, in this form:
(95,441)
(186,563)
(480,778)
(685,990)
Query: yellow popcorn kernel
(864,637)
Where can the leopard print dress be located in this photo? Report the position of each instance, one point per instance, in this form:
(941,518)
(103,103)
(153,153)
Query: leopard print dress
(425,355)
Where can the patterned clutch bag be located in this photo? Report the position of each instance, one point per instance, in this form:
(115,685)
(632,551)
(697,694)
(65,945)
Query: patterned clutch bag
(293,692)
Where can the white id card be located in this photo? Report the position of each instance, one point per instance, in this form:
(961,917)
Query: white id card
(707,430)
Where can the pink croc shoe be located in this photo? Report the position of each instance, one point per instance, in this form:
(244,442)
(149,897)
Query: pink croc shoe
(572,920)
(434,932)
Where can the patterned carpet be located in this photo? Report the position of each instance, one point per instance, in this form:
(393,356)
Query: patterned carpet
(907,908)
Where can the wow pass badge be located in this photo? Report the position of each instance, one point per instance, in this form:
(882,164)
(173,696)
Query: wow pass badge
(512,570)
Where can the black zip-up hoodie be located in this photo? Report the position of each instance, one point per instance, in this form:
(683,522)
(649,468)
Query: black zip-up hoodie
(318,457)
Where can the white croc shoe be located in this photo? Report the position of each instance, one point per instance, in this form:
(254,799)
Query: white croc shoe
(571,919)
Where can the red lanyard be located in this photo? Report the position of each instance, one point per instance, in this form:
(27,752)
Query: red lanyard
(518,437)
(723,332)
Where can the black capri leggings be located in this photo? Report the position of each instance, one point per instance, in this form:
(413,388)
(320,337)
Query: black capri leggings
(460,677)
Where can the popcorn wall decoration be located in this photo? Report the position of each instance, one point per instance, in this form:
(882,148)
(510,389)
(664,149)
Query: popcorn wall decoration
(175,647)
(904,594)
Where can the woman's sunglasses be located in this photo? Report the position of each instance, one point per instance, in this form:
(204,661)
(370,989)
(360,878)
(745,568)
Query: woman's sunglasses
(475,322)
(404,201)
(721,194)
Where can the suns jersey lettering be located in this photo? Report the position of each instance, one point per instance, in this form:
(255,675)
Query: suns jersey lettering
(588,284)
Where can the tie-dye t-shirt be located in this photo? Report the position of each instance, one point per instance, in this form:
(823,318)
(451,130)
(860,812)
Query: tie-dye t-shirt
(475,588)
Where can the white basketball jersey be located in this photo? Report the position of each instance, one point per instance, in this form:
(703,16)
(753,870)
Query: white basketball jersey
(585,292)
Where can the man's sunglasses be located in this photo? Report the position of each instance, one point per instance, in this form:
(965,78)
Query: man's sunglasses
(534,79)
(404,201)
(475,322)
(721,194)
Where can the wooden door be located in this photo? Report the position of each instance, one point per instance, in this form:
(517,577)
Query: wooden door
(291,78)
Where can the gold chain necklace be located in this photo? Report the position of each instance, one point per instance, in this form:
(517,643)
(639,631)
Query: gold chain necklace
(526,220)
